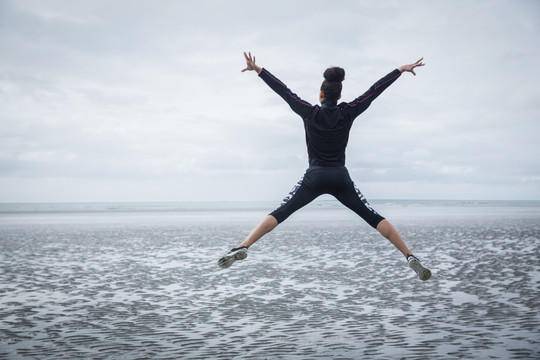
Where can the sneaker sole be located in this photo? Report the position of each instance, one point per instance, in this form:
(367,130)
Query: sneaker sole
(227,260)
(423,273)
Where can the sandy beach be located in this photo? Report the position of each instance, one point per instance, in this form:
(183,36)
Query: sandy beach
(324,285)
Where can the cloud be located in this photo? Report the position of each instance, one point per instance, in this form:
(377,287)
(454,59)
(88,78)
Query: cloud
(139,95)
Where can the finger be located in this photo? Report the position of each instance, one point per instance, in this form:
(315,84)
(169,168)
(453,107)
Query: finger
(245,55)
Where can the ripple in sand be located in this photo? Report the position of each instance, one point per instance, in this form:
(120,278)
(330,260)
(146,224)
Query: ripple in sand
(105,292)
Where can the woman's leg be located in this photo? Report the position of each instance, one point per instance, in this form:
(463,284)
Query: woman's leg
(359,205)
(268,224)
(300,195)
(388,231)
(354,200)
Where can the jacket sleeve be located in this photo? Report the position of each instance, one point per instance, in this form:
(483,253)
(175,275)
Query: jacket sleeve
(361,103)
(299,106)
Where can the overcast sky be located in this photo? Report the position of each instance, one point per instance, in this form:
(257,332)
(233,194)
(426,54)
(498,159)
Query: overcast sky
(145,101)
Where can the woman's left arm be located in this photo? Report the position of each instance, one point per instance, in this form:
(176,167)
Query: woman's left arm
(250,64)
(299,106)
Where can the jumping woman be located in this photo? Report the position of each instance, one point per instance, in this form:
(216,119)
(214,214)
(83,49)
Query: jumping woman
(327,130)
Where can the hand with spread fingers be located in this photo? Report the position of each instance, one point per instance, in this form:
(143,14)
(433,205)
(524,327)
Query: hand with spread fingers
(410,67)
(250,63)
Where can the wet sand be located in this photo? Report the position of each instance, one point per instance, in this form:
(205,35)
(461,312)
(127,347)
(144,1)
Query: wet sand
(148,286)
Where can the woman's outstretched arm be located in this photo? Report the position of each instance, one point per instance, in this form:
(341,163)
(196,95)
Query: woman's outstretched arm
(361,103)
(298,105)
(250,64)
(410,67)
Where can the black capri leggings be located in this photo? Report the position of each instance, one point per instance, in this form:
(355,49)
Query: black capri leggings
(335,181)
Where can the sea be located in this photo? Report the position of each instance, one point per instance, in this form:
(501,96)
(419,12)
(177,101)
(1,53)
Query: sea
(141,281)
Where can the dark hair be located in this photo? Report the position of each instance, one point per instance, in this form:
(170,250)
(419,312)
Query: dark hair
(331,86)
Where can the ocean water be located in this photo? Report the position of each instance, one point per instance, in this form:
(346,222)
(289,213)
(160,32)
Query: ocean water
(140,281)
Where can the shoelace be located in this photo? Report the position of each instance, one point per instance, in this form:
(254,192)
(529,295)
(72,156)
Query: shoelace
(239,248)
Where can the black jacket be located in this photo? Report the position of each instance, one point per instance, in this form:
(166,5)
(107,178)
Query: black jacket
(327,126)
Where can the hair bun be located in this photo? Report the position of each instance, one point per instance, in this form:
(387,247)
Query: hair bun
(334,74)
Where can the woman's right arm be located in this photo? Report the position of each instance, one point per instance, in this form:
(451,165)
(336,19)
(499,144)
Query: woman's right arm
(361,103)
(410,67)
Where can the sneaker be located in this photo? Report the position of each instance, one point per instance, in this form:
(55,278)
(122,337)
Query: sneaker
(233,255)
(415,264)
